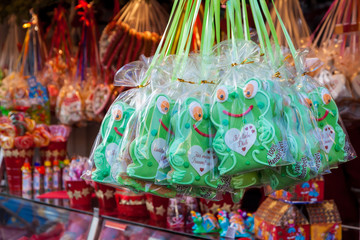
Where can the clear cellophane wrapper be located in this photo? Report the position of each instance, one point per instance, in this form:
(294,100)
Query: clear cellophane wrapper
(317,138)
(245,112)
(131,75)
(69,104)
(191,158)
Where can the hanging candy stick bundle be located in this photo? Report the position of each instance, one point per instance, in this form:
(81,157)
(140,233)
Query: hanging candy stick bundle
(134,31)
(337,43)
(233,116)
(294,21)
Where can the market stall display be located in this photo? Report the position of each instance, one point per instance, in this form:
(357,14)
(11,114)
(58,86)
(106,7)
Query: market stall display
(191,121)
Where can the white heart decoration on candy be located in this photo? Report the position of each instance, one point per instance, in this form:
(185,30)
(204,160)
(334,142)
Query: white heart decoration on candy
(158,150)
(241,141)
(328,138)
(201,160)
(111,153)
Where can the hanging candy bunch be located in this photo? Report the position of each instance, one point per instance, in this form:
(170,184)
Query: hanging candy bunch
(60,63)
(22,87)
(235,115)
(134,31)
(337,42)
(87,94)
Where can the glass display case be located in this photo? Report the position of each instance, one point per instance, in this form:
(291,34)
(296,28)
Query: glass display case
(29,219)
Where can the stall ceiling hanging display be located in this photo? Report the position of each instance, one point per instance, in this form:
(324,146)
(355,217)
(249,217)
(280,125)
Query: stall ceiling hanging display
(234,115)
(134,31)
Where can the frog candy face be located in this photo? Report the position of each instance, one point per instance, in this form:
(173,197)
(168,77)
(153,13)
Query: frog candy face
(112,129)
(115,121)
(191,154)
(324,107)
(233,105)
(157,116)
(247,137)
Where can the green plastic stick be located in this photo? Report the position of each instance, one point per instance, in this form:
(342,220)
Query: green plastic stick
(288,38)
(189,30)
(245,21)
(204,36)
(217,20)
(238,22)
(258,28)
(182,32)
(164,43)
(272,27)
(265,34)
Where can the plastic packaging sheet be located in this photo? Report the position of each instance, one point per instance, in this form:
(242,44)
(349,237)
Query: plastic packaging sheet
(115,127)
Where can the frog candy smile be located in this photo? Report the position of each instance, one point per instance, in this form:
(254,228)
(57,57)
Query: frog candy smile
(203,134)
(323,117)
(117,131)
(165,127)
(238,115)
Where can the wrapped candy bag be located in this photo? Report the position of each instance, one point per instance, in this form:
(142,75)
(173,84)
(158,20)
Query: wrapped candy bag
(153,136)
(151,142)
(69,105)
(256,141)
(337,48)
(105,161)
(191,155)
(111,133)
(60,62)
(334,140)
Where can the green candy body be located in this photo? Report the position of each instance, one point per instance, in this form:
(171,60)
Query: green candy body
(111,130)
(332,135)
(191,155)
(148,149)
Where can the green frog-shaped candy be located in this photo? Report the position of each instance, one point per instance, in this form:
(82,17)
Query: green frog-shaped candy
(247,137)
(326,113)
(191,155)
(148,149)
(111,130)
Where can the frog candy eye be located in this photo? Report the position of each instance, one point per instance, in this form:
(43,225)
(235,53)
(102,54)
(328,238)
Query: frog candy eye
(163,104)
(251,88)
(222,94)
(308,102)
(325,96)
(196,111)
(117,113)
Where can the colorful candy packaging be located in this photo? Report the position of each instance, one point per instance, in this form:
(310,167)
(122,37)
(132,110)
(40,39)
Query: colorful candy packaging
(232,225)
(69,106)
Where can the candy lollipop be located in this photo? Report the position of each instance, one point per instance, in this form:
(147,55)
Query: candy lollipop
(41,136)
(24,142)
(148,150)
(247,137)
(7,142)
(112,129)
(190,154)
